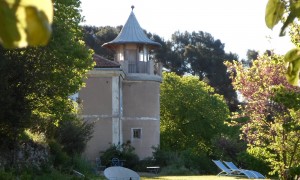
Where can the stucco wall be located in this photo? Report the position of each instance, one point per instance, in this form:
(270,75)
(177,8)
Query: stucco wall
(97,108)
(150,136)
(96,96)
(141,110)
(141,99)
(101,138)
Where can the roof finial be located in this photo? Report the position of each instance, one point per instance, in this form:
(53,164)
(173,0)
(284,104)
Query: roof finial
(132,7)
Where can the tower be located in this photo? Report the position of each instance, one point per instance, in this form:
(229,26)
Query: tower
(122,98)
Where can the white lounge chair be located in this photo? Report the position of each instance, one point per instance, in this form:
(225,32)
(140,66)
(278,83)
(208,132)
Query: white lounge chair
(235,168)
(229,172)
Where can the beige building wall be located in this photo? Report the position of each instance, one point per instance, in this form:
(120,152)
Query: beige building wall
(96,96)
(141,99)
(96,100)
(141,111)
(150,135)
(101,138)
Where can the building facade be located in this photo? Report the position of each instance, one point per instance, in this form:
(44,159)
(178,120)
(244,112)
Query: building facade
(121,97)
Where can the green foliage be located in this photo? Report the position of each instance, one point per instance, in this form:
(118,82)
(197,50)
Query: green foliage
(189,161)
(82,165)
(59,158)
(292,58)
(177,169)
(73,134)
(35,93)
(6,175)
(123,152)
(25,22)
(227,147)
(198,53)
(191,113)
(272,108)
(50,175)
(254,158)
(35,85)
(276,10)
(95,37)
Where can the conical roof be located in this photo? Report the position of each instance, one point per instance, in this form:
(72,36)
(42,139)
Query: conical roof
(131,33)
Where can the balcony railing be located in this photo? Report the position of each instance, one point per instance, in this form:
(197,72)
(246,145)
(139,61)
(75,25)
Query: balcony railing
(142,67)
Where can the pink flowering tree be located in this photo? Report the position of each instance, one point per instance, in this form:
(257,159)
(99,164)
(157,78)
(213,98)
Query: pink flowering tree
(271,106)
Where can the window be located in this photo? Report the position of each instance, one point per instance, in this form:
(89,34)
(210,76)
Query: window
(131,57)
(136,133)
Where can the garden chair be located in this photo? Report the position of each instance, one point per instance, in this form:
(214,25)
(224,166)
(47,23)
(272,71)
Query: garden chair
(115,162)
(228,172)
(233,167)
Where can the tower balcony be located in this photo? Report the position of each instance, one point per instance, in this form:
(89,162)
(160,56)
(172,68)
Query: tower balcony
(142,70)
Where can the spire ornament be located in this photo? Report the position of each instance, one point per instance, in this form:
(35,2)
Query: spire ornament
(132,7)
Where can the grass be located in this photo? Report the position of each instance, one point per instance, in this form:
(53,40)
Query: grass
(212,177)
(149,176)
(208,177)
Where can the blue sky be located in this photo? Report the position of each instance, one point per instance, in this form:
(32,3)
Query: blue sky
(237,23)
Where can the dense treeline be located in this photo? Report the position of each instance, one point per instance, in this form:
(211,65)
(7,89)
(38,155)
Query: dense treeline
(39,127)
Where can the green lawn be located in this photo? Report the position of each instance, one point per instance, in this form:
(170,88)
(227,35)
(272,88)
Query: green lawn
(212,177)
(150,176)
(208,177)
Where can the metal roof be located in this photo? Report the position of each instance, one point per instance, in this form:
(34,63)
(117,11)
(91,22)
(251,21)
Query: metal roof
(131,33)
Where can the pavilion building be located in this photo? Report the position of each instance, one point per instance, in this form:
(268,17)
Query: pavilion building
(122,95)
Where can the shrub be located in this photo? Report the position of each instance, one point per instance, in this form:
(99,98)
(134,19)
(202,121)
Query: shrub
(6,175)
(227,147)
(123,152)
(164,158)
(82,165)
(177,169)
(254,159)
(190,161)
(59,158)
(73,134)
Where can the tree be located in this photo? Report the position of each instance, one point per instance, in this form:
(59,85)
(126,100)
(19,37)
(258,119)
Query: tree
(273,113)
(36,82)
(251,56)
(95,37)
(191,113)
(204,56)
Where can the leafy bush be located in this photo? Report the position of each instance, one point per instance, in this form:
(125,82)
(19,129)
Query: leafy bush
(6,175)
(123,152)
(82,165)
(189,161)
(73,134)
(143,164)
(164,158)
(52,174)
(59,158)
(227,147)
(254,159)
(177,169)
